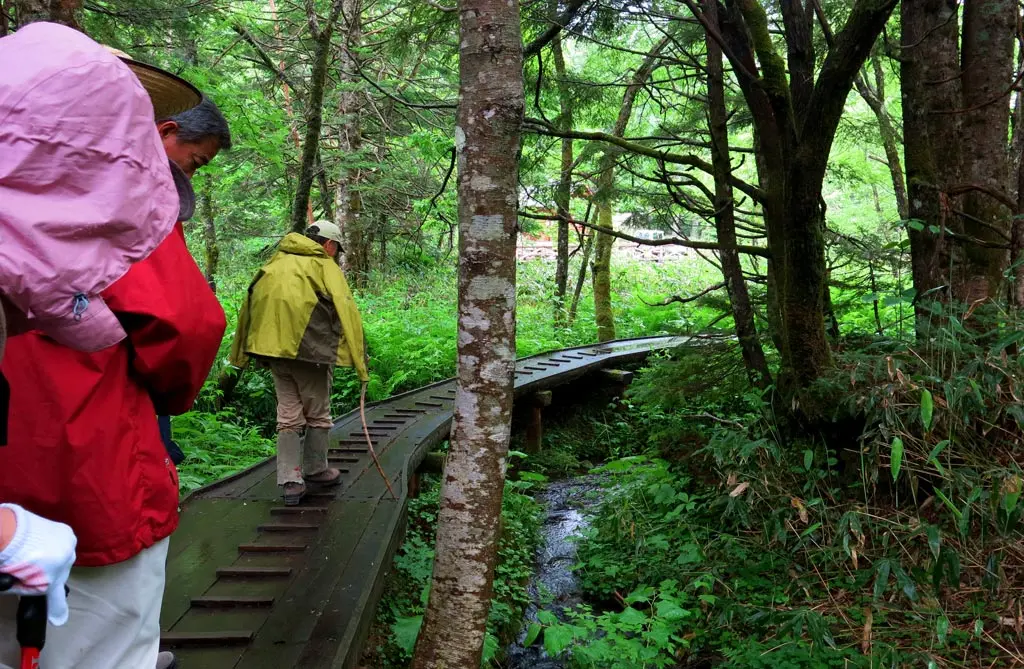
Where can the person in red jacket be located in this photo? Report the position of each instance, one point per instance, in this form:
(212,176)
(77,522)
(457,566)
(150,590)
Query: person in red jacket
(86,449)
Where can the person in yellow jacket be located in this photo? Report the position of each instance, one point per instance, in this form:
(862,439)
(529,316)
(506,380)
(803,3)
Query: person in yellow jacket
(300,320)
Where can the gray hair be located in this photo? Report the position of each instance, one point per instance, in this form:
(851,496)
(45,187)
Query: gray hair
(202,121)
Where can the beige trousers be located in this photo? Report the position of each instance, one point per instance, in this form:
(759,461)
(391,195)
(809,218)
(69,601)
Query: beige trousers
(114,620)
(303,394)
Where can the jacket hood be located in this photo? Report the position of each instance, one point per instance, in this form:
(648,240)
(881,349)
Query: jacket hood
(301,245)
(85,185)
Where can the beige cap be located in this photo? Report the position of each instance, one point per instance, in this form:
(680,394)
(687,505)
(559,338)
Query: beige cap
(169,93)
(327,230)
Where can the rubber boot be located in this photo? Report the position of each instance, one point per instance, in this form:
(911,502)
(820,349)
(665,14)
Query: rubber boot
(314,459)
(289,466)
(166,660)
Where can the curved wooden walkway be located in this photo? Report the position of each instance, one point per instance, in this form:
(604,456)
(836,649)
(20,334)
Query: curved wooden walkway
(254,584)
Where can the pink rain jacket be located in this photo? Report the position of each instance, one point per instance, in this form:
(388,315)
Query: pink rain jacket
(85,187)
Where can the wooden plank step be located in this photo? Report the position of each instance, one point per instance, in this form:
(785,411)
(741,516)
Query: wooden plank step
(440,397)
(287,527)
(411,411)
(240,601)
(429,404)
(254,572)
(385,421)
(272,548)
(194,639)
(290,510)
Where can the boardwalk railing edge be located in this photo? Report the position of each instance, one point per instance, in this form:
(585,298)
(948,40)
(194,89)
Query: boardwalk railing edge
(351,414)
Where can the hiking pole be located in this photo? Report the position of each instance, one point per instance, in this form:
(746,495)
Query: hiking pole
(369,442)
(31,629)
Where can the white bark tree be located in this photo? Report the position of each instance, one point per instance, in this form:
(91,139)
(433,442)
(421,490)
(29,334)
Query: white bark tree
(487,138)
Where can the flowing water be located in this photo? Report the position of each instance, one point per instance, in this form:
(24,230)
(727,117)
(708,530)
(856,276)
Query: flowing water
(554,587)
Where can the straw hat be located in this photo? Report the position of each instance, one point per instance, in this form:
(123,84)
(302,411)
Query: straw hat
(170,94)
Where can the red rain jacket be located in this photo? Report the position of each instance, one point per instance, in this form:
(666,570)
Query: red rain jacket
(84,447)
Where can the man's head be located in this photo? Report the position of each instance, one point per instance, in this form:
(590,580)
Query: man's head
(327,235)
(194,137)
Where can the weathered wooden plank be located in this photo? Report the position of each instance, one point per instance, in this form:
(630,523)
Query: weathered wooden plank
(294,615)
(198,639)
(342,626)
(208,545)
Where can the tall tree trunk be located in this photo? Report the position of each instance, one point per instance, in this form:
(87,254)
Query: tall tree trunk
(314,111)
(348,199)
(563,192)
(211,250)
(588,248)
(600,271)
(987,67)
(725,224)
(930,80)
(795,119)
(66,12)
(488,141)
(874,96)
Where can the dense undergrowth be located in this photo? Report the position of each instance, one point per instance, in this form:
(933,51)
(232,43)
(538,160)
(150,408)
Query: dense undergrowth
(401,612)
(884,532)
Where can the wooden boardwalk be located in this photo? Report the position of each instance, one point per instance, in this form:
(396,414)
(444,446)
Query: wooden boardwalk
(254,584)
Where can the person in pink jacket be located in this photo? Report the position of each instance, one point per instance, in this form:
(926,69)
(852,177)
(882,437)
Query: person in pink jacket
(86,190)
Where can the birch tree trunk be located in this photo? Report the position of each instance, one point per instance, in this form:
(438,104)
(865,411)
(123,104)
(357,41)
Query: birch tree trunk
(487,139)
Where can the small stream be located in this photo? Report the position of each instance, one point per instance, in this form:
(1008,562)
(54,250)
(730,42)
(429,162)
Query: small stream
(554,587)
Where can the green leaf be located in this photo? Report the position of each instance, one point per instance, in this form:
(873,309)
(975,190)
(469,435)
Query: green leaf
(927,408)
(934,455)
(632,617)
(979,627)
(896,457)
(881,578)
(405,631)
(948,503)
(808,459)
(557,639)
(546,618)
(934,542)
(810,530)
(532,476)
(671,611)
(532,632)
(942,629)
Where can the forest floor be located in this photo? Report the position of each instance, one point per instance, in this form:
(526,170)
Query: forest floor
(685,566)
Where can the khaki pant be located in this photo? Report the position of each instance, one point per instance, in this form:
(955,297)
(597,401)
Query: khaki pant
(114,620)
(303,394)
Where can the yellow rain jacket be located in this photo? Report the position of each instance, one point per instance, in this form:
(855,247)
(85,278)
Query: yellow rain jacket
(299,307)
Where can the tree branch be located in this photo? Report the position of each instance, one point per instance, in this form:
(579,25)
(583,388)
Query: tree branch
(542,128)
(684,300)
(559,22)
(670,241)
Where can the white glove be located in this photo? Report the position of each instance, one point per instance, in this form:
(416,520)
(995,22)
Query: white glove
(40,556)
